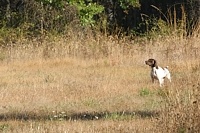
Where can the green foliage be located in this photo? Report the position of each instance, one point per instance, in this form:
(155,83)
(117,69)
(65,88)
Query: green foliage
(120,116)
(126,3)
(145,92)
(42,16)
(54,3)
(7,35)
(87,11)
(159,27)
(154,27)
(86,8)
(4,127)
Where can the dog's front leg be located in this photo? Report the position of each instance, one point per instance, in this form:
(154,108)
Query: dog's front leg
(152,79)
(161,81)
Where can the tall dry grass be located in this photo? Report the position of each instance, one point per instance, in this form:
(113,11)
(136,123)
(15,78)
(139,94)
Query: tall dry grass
(85,83)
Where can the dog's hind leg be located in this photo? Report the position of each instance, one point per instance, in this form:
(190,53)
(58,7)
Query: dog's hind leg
(168,76)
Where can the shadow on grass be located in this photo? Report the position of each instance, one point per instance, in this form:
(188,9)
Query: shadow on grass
(77,116)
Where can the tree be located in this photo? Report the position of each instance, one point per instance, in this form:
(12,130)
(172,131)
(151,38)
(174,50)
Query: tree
(193,13)
(126,15)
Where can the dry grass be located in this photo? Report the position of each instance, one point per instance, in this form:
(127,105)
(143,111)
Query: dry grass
(86,84)
(77,126)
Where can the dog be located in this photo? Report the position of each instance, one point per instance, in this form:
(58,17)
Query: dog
(158,72)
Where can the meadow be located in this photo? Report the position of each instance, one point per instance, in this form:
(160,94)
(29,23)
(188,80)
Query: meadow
(83,83)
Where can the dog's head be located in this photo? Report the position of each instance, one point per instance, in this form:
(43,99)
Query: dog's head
(152,63)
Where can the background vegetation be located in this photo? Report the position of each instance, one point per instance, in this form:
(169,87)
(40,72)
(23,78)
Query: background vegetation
(78,66)
(130,16)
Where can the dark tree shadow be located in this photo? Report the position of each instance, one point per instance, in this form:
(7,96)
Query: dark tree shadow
(25,116)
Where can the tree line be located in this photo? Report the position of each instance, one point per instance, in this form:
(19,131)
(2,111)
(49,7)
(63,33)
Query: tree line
(129,16)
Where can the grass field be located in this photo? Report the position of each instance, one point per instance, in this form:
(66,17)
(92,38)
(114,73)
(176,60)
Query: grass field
(98,84)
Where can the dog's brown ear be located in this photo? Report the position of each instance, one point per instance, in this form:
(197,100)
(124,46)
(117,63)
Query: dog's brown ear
(155,64)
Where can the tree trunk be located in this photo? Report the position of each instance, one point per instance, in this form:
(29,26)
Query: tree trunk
(8,13)
(193,15)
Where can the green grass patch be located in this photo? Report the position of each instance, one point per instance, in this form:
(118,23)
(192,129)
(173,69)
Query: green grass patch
(145,92)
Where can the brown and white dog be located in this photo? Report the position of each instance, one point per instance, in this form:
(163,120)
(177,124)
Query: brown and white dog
(158,72)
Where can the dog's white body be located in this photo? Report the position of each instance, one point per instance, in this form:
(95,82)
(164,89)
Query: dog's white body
(158,72)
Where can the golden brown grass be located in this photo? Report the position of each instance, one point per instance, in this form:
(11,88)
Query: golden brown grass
(97,84)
